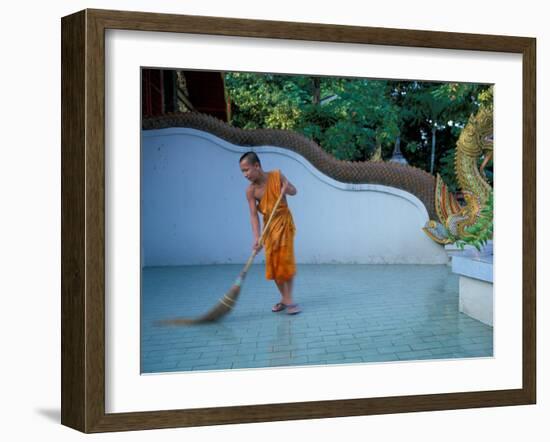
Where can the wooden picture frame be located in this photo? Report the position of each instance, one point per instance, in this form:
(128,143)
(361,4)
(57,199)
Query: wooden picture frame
(83,220)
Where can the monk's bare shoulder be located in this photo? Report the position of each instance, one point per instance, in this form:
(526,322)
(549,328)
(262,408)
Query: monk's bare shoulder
(250,192)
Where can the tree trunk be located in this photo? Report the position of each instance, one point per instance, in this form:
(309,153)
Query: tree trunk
(316,95)
(432,160)
(377,154)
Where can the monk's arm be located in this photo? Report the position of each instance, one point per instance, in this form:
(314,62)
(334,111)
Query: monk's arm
(288,186)
(254,218)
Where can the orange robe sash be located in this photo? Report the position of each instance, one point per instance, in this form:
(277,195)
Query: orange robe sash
(279,240)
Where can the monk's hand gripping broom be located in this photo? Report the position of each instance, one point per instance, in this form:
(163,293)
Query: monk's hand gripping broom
(227,301)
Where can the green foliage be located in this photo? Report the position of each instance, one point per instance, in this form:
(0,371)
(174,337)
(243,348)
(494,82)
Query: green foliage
(352,125)
(447,169)
(263,101)
(354,116)
(482,231)
(440,111)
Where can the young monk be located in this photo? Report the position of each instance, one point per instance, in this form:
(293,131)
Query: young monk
(262,194)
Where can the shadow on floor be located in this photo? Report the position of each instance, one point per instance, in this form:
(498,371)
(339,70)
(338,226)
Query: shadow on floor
(52,414)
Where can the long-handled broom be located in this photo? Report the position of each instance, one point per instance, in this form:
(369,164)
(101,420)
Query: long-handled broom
(227,301)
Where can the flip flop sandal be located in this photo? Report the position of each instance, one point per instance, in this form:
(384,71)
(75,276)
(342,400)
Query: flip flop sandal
(279,307)
(292,309)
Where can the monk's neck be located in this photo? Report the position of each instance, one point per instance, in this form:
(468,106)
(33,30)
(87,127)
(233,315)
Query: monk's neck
(262,179)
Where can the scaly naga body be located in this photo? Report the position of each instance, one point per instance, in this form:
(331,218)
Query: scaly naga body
(475,140)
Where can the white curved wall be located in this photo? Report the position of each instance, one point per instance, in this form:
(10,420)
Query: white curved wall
(194,211)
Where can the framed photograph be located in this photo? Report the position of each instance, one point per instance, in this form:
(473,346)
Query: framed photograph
(267,221)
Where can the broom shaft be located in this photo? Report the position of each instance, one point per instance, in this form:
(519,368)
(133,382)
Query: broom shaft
(275,207)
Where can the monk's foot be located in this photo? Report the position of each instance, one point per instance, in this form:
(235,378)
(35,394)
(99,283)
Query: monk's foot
(279,307)
(292,309)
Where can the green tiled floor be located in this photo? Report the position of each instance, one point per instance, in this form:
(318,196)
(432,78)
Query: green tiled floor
(351,314)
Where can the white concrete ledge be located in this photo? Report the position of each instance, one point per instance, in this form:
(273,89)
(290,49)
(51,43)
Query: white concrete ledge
(476,299)
(476,295)
(474,267)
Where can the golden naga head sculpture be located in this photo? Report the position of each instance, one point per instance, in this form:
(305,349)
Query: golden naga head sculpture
(476,138)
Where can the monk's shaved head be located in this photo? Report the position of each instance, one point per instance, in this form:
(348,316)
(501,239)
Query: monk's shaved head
(251,158)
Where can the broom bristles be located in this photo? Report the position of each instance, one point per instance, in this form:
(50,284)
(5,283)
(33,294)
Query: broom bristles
(225,305)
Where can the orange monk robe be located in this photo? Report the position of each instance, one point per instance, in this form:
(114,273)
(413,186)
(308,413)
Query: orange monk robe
(279,240)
